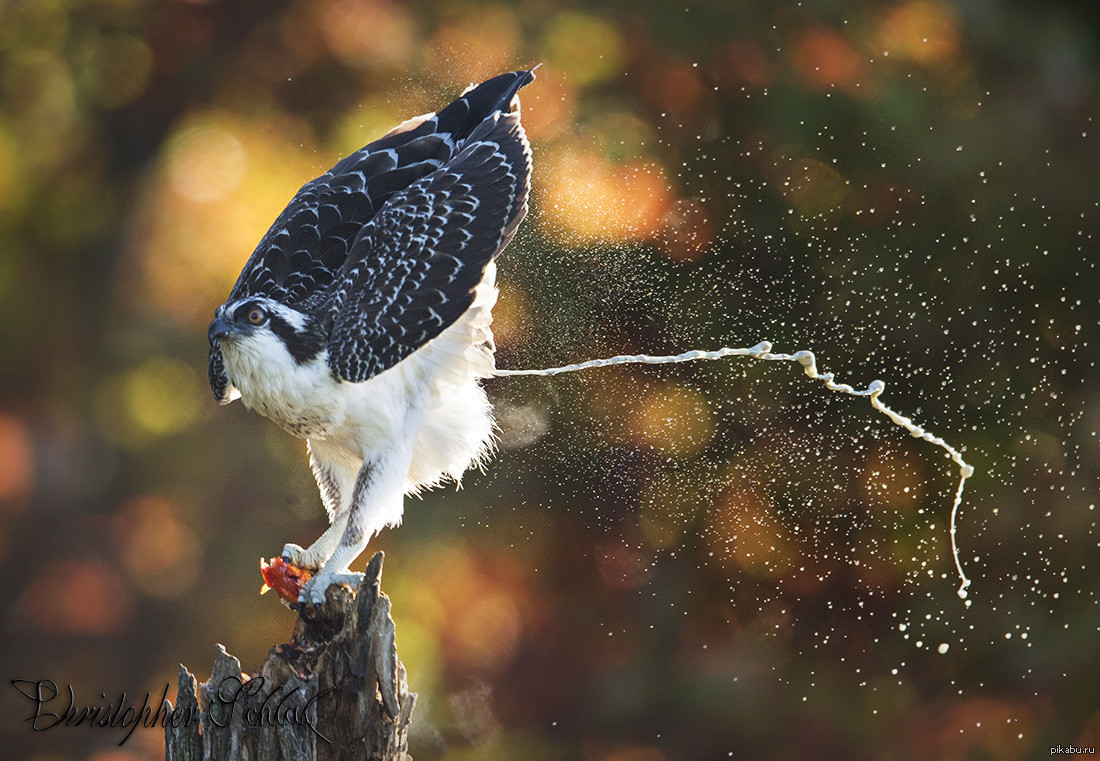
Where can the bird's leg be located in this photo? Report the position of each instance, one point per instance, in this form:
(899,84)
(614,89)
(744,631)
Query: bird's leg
(351,542)
(377,500)
(336,471)
(313,557)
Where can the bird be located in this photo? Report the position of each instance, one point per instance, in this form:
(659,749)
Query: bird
(362,320)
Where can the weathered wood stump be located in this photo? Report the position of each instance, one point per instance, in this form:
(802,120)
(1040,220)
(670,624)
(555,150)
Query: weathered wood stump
(335,692)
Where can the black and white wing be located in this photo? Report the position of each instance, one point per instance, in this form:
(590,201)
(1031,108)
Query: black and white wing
(308,244)
(307,247)
(414,270)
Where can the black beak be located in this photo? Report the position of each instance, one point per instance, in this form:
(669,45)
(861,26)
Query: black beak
(220,328)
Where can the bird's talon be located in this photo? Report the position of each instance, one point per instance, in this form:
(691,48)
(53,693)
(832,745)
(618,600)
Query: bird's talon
(300,557)
(313,592)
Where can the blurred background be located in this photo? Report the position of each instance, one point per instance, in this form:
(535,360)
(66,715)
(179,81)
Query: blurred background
(715,560)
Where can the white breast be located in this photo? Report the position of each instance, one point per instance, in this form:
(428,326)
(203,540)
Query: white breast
(304,399)
(441,380)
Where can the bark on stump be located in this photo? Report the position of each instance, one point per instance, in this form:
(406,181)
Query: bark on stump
(335,692)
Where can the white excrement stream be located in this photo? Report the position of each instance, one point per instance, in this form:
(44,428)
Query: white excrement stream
(763,350)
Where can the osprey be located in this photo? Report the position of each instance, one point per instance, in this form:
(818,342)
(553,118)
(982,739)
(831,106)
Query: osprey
(361,322)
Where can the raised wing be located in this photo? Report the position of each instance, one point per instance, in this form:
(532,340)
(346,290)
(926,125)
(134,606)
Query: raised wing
(308,245)
(414,269)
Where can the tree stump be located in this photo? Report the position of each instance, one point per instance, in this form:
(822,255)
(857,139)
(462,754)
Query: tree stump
(335,692)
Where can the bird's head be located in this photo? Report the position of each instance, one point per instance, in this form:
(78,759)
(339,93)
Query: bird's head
(262,324)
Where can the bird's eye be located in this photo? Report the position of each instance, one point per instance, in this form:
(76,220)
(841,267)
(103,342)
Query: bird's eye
(256,316)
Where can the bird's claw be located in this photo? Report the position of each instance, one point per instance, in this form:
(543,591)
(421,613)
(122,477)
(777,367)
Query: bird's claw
(313,592)
(300,557)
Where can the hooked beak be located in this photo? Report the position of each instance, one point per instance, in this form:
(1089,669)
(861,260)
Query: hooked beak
(220,328)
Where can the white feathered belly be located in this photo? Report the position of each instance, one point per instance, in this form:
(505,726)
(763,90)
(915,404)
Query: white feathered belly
(367,420)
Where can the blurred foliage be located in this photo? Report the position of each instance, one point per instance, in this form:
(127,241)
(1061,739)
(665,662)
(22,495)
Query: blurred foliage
(679,563)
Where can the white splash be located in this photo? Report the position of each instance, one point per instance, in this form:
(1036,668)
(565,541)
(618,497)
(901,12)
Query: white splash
(763,350)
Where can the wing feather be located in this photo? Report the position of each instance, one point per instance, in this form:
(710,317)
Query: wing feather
(356,188)
(413,271)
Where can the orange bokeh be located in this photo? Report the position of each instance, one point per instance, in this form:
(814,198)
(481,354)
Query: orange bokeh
(475,42)
(588,199)
(76,597)
(925,32)
(674,419)
(158,549)
(366,32)
(742,533)
(548,108)
(16,460)
(824,58)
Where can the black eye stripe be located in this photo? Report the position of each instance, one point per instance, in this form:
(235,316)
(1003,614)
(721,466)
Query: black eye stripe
(303,346)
